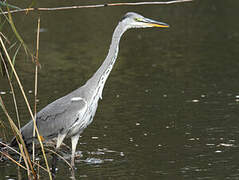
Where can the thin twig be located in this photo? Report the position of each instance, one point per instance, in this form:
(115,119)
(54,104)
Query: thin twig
(35,93)
(97,6)
(34,119)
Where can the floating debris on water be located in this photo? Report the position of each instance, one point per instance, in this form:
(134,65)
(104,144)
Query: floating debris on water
(94,137)
(210,144)
(3,92)
(219,92)
(83,176)
(106,150)
(122,154)
(38,159)
(96,153)
(137,124)
(194,139)
(109,160)
(9,178)
(193,100)
(165,95)
(225,145)
(94,161)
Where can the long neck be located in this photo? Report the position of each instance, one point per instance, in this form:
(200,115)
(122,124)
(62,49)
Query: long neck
(97,81)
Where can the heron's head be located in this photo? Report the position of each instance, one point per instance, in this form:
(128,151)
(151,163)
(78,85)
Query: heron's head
(134,20)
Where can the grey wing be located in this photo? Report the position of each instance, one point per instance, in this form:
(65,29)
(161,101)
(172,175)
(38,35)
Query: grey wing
(56,118)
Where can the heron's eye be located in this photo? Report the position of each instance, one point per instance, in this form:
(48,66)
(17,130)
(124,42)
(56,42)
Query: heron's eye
(138,19)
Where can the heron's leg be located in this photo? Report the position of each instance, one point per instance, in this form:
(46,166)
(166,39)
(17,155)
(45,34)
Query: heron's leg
(60,139)
(74,141)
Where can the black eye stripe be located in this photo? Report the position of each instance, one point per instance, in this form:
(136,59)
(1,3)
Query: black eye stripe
(127,15)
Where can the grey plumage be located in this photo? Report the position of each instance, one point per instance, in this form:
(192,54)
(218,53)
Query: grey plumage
(71,114)
(56,117)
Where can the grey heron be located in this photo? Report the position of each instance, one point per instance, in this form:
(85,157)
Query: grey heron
(69,115)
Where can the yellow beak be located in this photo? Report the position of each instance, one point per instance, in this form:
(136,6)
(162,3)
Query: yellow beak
(154,23)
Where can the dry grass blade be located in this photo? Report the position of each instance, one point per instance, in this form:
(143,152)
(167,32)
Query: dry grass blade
(35,92)
(3,21)
(3,62)
(8,5)
(34,119)
(14,57)
(16,130)
(12,149)
(12,90)
(23,93)
(13,160)
(10,20)
(12,45)
(60,157)
(29,109)
(3,133)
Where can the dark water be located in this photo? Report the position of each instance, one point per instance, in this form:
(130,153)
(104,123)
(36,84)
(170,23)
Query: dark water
(170,107)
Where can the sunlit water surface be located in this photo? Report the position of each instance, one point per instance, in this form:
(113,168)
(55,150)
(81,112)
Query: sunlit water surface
(170,105)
